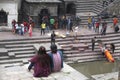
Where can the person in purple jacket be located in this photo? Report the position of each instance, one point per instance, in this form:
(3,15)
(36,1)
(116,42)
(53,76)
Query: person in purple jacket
(40,63)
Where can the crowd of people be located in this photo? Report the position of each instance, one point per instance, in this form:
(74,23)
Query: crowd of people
(47,24)
(95,24)
(22,28)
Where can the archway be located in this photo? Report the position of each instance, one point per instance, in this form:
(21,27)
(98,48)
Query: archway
(44,14)
(3,17)
(71,9)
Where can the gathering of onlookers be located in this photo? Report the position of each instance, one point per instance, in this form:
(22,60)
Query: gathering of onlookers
(48,23)
(100,25)
(22,28)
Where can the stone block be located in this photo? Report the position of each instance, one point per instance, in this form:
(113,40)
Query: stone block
(3,52)
(46,45)
(11,54)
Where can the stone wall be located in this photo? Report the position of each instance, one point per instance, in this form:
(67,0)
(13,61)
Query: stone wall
(11,9)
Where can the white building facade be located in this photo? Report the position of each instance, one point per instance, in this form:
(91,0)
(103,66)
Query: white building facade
(10,7)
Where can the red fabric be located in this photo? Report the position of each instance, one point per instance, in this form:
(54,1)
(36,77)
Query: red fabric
(115,21)
(97,24)
(41,65)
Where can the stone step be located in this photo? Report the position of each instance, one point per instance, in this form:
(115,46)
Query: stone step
(97,57)
(85,60)
(105,40)
(31,41)
(81,54)
(108,35)
(12,54)
(3,52)
(83,10)
(8,61)
(25,42)
(86,1)
(18,45)
(61,43)
(67,49)
(4,57)
(24,56)
(12,64)
(26,39)
(84,6)
(20,49)
(71,51)
(23,52)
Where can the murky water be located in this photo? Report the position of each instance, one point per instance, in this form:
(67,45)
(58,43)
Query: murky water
(97,67)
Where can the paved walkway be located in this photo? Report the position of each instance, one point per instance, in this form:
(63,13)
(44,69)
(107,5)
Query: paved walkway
(82,30)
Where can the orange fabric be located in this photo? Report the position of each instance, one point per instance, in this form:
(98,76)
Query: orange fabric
(109,56)
(115,21)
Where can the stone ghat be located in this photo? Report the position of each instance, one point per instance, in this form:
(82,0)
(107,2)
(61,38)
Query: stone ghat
(18,72)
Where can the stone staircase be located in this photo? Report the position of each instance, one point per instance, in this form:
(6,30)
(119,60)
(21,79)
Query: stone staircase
(85,5)
(19,51)
(86,54)
(90,8)
(98,7)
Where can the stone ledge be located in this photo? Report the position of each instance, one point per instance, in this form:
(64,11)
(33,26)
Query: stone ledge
(46,45)
(3,52)
(21,73)
(106,76)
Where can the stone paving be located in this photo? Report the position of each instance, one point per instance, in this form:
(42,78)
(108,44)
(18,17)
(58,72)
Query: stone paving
(106,76)
(21,73)
(82,30)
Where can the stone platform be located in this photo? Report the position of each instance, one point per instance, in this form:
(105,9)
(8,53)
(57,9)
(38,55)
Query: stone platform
(107,76)
(18,72)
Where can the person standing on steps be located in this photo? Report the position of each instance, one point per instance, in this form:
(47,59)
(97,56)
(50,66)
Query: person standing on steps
(43,27)
(93,43)
(112,47)
(53,37)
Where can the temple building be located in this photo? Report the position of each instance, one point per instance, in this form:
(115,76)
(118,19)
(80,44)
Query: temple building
(20,10)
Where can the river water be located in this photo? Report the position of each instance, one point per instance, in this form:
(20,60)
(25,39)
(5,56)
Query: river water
(96,67)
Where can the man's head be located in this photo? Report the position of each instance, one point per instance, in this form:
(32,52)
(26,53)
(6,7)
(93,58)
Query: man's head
(53,48)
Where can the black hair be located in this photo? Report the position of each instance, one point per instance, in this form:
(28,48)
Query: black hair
(42,50)
(53,48)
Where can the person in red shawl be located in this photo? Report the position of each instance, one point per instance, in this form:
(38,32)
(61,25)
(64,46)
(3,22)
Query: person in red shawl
(40,63)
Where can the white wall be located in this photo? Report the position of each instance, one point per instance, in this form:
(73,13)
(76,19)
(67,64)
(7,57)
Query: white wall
(12,9)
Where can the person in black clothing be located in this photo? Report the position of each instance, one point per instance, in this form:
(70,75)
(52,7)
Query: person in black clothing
(53,37)
(112,47)
(93,43)
(104,28)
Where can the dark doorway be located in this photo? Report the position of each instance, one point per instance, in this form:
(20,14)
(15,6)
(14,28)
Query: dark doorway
(70,9)
(61,9)
(44,15)
(3,18)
